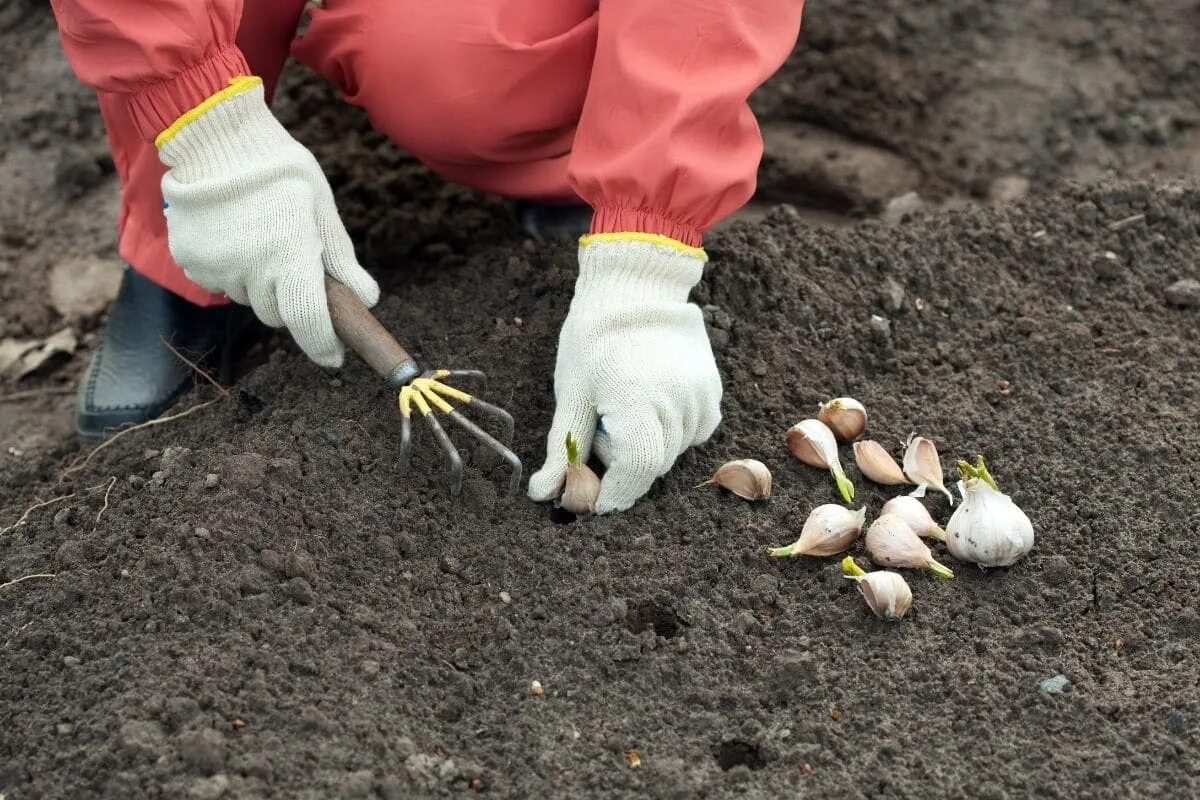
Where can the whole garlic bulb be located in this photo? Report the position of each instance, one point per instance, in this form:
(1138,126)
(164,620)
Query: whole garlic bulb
(988,529)
(887,593)
(913,512)
(830,529)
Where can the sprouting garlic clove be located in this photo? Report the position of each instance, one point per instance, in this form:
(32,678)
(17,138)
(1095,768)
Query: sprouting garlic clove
(746,477)
(923,467)
(887,593)
(988,528)
(582,485)
(914,513)
(812,442)
(876,464)
(892,543)
(845,416)
(830,529)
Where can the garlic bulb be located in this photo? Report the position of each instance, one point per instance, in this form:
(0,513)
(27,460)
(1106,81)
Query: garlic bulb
(923,467)
(915,515)
(887,593)
(988,528)
(582,486)
(875,463)
(845,416)
(812,442)
(830,529)
(891,543)
(745,477)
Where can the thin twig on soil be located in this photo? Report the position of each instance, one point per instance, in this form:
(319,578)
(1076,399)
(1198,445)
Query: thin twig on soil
(28,578)
(107,492)
(147,424)
(44,503)
(26,394)
(216,385)
(1124,221)
(34,508)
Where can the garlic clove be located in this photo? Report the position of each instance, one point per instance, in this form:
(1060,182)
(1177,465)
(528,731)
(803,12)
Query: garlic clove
(845,416)
(812,442)
(746,477)
(923,467)
(830,529)
(582,485)
(875,463)
(892,543)
(887,593)
(914,513)
(988,528)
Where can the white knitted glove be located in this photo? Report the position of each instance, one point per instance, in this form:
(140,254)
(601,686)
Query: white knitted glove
(634,354)
(250,214)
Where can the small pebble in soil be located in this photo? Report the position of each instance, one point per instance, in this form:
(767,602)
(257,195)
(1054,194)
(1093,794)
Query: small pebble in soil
(505,598)
(370,668)
(1059,684)
(71,661)
(211,480)
(891,296)
(536,689)
(1184,294)
(300,590)
(1177,722)
(881,328)
(64,728)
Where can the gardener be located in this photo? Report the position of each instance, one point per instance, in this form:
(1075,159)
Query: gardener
(636,107)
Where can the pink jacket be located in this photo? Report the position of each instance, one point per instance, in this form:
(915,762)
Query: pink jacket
(666,142)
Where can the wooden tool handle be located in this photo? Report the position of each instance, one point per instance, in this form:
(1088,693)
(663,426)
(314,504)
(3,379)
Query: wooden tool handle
(357,327)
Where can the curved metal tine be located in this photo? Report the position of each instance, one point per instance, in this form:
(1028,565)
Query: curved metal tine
(456,466)
(405,444)
(509,456)
(506,420)
(466,375)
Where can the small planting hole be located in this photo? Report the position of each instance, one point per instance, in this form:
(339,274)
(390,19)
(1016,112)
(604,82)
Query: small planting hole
(560,516)
(662,619)
(735,753)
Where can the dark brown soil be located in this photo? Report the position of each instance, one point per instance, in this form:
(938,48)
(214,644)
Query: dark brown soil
(264,610)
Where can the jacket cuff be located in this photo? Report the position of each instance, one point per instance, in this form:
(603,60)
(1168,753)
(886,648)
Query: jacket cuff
(617,219)
(157,106)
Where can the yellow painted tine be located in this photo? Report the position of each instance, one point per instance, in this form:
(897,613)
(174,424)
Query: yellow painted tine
(449,391)
(422,384)
(404,400)
(419,401)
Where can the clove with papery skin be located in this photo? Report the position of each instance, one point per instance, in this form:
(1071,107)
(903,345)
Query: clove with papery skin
(845,416)
(876,464)
(913,512)
(830,529)
(891,543)
(748,478)
(812,442)
(923,467)
(887,593)
(582,486)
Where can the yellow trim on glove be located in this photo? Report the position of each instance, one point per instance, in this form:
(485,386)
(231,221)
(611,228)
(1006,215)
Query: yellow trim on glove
(650,238)
(239,85)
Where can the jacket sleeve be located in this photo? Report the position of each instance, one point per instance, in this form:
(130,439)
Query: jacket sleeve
(667,143)
(167,56)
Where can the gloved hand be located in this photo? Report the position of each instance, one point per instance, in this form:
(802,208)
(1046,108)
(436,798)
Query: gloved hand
(634,354)
(249,213)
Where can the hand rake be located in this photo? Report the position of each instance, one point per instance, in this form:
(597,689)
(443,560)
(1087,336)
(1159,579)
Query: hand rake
(426,393)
